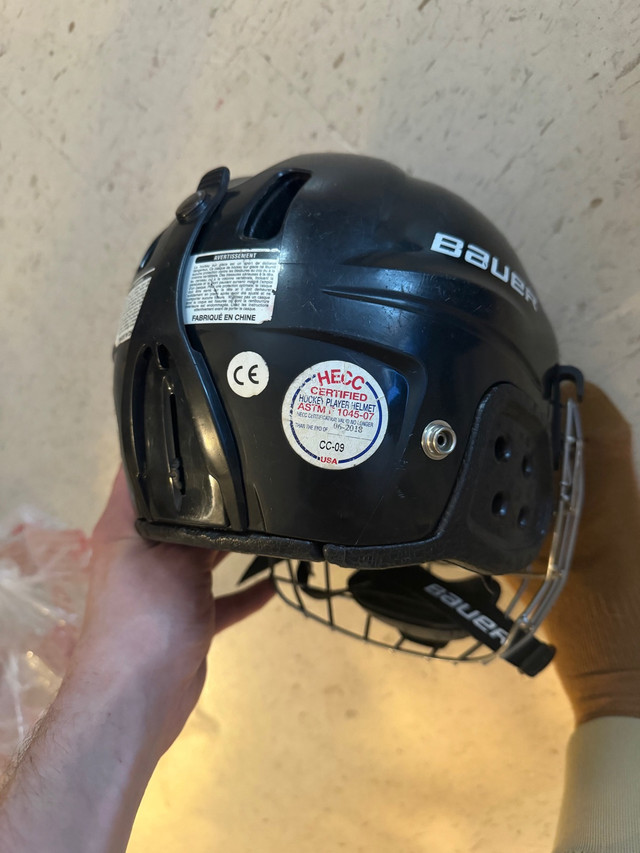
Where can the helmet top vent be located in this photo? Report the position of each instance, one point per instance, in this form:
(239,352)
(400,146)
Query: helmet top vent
(267,215)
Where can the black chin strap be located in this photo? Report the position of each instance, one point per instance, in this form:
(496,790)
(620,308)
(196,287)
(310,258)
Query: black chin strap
(304,572)
(484,621)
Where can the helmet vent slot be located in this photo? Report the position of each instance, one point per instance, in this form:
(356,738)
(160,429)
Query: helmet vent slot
(138,396)
(162,354)
(266,217)
(176,472)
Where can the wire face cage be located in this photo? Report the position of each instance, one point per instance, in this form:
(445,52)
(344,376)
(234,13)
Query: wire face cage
(440,610)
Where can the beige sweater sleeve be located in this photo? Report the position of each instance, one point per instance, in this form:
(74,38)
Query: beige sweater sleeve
(601,804)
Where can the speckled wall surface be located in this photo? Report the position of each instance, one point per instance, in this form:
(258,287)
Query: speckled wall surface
(109,113)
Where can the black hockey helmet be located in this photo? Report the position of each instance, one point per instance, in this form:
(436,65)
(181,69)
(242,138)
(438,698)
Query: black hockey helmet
(335,362)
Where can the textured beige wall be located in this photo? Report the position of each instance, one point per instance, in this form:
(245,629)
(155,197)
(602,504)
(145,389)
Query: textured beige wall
(109,113)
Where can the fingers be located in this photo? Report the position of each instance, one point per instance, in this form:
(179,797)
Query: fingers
(217,558)
(604,425)
(234,608)
(118,517)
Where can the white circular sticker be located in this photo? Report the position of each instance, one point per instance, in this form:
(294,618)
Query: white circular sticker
(247,374)
(335,415)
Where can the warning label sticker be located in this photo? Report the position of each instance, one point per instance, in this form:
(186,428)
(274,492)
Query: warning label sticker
(132,305)
(237,286)
(335,415)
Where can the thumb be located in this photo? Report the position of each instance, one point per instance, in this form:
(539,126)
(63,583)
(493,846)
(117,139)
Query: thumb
(234,608)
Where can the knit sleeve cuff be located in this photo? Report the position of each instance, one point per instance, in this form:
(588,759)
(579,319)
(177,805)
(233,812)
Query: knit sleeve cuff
(601,803)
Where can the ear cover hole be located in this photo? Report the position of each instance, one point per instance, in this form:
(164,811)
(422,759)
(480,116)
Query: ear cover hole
(502,449)
(527,466)
(523,516)
(499,504)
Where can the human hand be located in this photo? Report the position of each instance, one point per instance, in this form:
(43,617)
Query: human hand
(151,616)
(595,621)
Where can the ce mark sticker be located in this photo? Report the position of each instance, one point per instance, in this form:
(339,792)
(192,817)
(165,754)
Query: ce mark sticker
(247,374)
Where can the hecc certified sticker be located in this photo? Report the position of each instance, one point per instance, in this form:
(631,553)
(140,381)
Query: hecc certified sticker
(335,415)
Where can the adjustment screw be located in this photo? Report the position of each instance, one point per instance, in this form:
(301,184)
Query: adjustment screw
(175,474)
(438,440)
(191,207)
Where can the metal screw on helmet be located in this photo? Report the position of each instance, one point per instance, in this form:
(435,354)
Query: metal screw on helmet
(438,440)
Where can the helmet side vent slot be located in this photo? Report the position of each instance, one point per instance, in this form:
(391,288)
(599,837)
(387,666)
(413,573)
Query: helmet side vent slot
(138,397)
(172,434)
(266,216)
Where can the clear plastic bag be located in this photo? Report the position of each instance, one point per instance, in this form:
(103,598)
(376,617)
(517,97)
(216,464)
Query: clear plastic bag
(43,583)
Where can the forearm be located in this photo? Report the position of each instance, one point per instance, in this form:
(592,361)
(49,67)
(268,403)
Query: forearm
(136,675)
(79,783)
(601,802)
